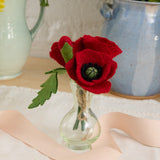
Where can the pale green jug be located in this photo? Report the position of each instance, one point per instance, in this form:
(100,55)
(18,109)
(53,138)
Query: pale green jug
(15,38)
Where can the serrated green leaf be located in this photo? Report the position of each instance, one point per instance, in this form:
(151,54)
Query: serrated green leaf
(67,52)
(49,87)
(57,70)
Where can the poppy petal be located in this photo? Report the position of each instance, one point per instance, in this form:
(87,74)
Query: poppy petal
(104,87)
(56,54)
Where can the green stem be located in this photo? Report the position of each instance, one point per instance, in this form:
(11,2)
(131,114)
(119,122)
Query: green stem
(76,125)
(83,125)
(77,120)
(82,122)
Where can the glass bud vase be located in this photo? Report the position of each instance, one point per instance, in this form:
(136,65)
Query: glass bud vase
(80,127)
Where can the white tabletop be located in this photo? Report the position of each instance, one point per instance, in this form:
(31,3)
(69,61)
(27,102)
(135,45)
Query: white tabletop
(48,117)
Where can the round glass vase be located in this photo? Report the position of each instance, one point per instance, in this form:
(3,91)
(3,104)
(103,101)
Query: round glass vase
(80,127)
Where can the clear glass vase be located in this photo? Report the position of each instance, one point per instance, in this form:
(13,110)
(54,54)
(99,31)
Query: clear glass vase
(80,127)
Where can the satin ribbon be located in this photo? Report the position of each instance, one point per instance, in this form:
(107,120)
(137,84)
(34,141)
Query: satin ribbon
(144,131)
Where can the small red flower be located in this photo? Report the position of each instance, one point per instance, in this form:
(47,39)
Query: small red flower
(77,70)
(55,52)
(100,44)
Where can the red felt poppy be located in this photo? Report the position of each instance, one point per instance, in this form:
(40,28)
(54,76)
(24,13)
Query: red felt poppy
(55,52)
(94,58)
(98,44)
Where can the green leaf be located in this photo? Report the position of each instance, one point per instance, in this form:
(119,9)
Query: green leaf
(57,70)
(49,87)
(67,52)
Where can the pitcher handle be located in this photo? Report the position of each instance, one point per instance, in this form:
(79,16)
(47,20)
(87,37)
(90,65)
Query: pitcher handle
(33,31)
(107,11)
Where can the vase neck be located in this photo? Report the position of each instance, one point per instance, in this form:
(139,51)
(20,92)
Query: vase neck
(82,98)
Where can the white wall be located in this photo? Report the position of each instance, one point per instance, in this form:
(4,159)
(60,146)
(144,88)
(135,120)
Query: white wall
(73,18)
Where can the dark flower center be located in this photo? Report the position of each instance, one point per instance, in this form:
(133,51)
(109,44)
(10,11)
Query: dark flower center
(90,71)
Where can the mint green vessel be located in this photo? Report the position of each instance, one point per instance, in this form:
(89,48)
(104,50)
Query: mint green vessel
(15,38)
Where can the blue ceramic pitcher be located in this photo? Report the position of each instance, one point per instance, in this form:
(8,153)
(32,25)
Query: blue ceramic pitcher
(15,38)
(135,27)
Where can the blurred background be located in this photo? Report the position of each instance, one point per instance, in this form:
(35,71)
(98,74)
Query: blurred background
(73,18)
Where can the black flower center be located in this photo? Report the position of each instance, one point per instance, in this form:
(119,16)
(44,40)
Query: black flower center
(90,71)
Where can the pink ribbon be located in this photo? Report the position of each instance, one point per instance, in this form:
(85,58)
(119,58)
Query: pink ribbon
(144,131)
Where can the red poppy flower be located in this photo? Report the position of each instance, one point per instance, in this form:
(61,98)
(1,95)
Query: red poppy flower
(55,52)
(88,62)
(100,44)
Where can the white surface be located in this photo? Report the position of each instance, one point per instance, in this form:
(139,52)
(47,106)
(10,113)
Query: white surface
(73,18)
(48,117)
